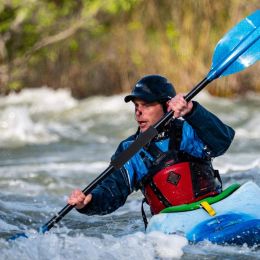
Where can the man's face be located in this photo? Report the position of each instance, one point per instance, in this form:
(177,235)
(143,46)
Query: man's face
(147,114)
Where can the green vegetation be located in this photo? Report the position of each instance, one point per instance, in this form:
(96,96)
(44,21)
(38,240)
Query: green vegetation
(104,46)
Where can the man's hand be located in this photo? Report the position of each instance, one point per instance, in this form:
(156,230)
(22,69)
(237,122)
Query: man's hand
(179,105)
(79,199)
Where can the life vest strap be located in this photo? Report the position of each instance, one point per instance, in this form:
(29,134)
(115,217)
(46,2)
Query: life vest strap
(143,213)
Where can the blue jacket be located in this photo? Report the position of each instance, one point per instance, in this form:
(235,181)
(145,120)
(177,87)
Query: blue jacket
(203,135)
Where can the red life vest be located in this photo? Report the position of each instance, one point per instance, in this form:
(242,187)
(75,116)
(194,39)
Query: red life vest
(175,177)
(180,183)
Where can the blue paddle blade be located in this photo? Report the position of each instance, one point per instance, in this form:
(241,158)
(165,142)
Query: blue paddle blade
(16,236)
(41,230)
(238,49)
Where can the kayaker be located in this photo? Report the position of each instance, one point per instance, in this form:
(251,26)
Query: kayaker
(176,167)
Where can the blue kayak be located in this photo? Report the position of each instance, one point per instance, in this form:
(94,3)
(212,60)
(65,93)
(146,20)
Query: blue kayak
(232,217)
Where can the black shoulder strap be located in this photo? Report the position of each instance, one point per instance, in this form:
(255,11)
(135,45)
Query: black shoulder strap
(175,134)
(157,154)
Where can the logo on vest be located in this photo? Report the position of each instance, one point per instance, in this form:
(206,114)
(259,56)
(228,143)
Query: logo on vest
(173,178)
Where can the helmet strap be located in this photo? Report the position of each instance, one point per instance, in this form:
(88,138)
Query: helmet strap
(164,106)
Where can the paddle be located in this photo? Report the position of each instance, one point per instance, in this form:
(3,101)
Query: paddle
(237,50)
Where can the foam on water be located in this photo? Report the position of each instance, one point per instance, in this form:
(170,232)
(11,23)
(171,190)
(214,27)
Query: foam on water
(154,245)
(17,128)
(134,246)
(239,162)
(207,250)
(42,116)
(22,117)
(58,168)
(36,178)
(41,100)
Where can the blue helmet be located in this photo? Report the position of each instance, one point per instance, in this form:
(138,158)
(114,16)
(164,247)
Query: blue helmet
(152,88)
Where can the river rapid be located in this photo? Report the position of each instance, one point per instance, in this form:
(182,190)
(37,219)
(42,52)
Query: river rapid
(51,143)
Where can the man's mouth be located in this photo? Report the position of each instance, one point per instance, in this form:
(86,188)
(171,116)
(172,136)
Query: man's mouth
(142,124)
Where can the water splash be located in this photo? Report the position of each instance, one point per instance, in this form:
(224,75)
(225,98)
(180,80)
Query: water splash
(135,246)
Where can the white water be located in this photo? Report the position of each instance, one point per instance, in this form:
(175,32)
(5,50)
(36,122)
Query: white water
(51,143)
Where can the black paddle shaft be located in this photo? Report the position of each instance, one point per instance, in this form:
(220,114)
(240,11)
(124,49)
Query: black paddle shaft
(143,139)
(69,207)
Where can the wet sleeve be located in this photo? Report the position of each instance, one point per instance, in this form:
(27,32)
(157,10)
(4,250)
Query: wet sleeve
(216,135)
(110,194)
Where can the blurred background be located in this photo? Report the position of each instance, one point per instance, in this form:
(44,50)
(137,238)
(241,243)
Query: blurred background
(65,67)
(104,46)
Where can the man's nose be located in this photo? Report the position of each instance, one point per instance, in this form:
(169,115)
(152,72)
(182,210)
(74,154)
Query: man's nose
(138,111)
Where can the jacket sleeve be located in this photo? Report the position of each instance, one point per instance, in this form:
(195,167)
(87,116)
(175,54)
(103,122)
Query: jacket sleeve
(216,135)
(110,194)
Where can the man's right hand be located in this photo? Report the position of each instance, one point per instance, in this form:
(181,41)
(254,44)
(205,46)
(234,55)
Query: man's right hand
(79,199)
